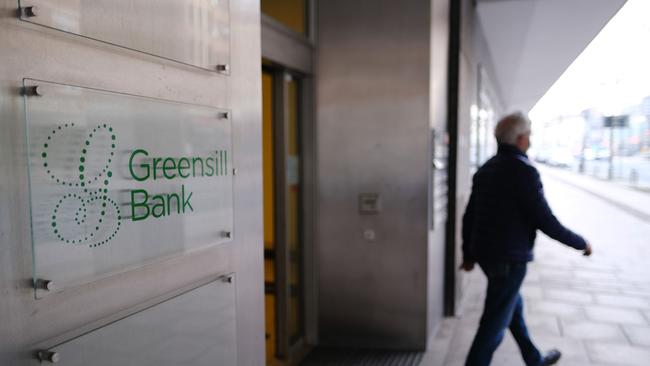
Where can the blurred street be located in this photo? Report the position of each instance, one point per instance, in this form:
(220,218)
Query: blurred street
(631,170)
(595,310)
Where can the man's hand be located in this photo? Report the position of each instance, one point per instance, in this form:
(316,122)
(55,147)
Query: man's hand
(587,251)
(467,266)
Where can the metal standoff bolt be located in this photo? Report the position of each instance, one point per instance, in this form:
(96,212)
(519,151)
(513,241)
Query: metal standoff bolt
(227,279)
(234,171)
(226,234)
(33,90)
(45,285)
(224,115)
(223,68)
(30,11)
(48,356)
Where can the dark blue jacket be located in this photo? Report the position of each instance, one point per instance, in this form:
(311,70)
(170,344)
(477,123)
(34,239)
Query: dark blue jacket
(505,209)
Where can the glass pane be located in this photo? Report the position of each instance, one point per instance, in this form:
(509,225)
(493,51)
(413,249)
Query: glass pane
(291,13)
(192,32)
(118,180)
(197,328)
(293,211)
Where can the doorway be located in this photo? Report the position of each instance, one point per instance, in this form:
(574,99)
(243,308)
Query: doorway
(284,253)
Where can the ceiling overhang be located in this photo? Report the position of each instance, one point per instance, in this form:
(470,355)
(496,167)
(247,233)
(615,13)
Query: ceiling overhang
(532,42)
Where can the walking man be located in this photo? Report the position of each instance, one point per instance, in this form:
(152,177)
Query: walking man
(506,208)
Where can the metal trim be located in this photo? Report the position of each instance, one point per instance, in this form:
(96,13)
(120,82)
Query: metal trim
(284,347)
(285,47)
(309,210)
(301,218)
(453,82)
(281,253)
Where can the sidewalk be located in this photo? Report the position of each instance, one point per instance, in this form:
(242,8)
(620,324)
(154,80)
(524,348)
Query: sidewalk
(595,310)
(614,193)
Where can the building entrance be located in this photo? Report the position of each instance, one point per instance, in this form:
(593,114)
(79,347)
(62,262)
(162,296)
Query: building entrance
(283,246)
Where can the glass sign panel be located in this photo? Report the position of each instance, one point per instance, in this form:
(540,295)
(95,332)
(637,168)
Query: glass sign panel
(192,32)
(197,328)
(119,180)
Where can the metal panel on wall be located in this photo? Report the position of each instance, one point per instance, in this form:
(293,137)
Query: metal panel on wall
(374,163)
(195,32)
(119,180)
(167,88)
(195,328)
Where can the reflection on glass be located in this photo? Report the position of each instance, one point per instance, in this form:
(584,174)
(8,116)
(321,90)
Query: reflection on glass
(291,13)
(483,143)
(117,181)
(192,32)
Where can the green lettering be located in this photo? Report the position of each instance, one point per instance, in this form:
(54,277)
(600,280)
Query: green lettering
(167,167)
(194,160)
(216,165)
(225,168)
(221,161)
(169,203)
(183,163)
(144,166)
(142,204)
(186,202)
(155,167)
(210,168)
(160,206)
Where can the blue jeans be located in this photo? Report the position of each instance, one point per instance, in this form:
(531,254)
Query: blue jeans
(504,308)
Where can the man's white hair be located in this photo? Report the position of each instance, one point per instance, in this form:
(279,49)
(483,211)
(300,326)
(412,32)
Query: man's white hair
(510,127)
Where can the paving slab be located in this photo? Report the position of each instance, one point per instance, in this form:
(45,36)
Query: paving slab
(555,272)
(556,308)
(637,292)
(439,344)
(618,353)
(623,301)
(611,288)
(568,295)
(615,315)
(639,336)
(588,330)
(569,282)
(532,292)
(596,275)
(543,324)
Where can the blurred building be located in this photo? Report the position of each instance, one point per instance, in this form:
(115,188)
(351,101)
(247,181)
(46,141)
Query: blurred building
(590,143)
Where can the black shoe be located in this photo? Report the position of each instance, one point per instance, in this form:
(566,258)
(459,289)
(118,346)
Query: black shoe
(551,357)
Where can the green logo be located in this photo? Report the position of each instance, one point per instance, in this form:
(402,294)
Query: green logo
(86,215)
